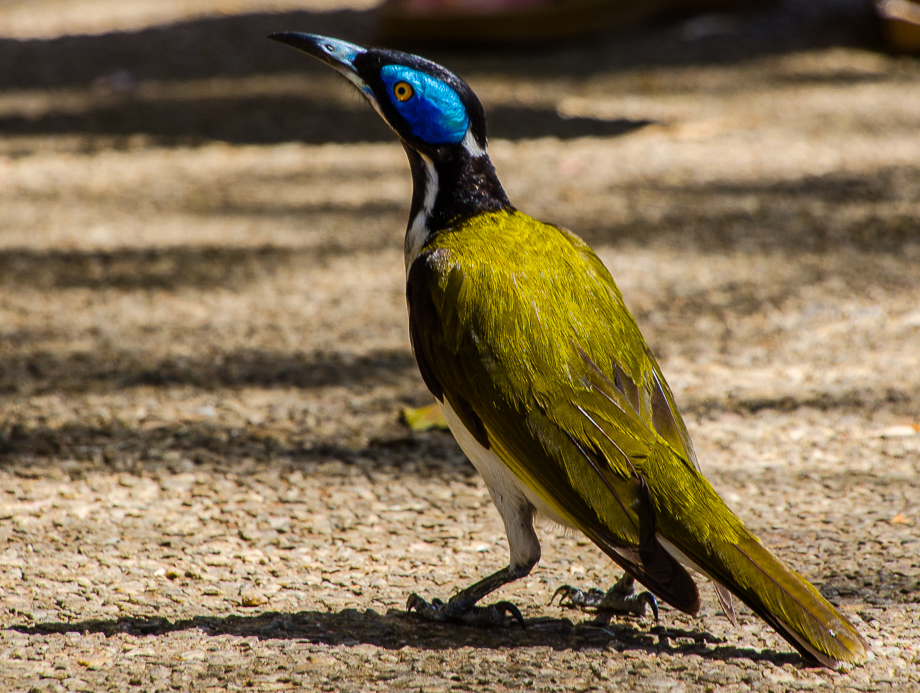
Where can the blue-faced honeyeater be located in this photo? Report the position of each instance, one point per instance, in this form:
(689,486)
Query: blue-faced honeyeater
(548,385)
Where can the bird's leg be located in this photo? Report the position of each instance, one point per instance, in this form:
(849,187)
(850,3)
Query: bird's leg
(461,608)
(525,552)
(619,599)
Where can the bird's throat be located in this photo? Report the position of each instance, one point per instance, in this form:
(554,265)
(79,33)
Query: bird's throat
(455,183)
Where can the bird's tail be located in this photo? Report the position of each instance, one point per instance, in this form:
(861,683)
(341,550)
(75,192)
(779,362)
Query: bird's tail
(781,597)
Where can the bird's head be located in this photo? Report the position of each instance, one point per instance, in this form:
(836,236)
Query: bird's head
(431,109)
(438,119)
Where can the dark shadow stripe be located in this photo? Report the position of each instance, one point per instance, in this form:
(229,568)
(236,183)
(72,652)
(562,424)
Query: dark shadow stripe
(396,629)
(106,371)
(275,119)
(871,213)
(236,46)
(229,46)
(171,268)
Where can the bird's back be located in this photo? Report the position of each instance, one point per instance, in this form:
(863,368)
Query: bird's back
(536,293)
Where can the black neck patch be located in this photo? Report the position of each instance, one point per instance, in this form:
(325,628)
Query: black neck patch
(467,186)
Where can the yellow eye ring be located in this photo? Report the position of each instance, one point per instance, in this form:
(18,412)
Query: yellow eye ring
(403,91)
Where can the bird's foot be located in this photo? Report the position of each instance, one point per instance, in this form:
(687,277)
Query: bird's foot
(619,599)
(458,612)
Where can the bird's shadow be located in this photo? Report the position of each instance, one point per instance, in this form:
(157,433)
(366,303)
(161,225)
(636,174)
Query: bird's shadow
(397,629)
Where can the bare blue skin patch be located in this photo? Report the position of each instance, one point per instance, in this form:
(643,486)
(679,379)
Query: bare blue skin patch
(434,112)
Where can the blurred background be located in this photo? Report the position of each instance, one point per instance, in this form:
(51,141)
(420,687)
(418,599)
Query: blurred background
(203,340)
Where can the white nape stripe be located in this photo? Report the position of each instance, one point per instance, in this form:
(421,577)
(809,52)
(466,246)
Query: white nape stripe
(417,233)
(471,145)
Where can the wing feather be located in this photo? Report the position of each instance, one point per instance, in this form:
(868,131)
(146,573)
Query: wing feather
(576,451)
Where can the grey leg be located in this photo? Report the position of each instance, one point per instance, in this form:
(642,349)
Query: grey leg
(517,514)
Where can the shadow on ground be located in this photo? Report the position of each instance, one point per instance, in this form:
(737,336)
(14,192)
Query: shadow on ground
(275,119)
(873,212)
(396,629)
(41,372)
(171,268)
(235,46)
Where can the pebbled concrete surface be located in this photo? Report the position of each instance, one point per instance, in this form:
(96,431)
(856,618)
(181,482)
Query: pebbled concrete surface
(203,348)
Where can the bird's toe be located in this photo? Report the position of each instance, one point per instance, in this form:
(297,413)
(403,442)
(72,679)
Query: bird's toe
(490,615)
(621,599)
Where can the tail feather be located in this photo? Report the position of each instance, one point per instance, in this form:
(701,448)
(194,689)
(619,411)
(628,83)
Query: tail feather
(784,599)
(725,599)
(793,606)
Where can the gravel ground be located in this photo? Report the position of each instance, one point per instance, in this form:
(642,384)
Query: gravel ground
(203,347)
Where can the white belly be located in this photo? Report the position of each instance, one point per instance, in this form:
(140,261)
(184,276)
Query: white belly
(501,482)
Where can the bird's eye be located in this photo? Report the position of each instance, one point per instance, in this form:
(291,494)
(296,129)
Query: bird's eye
(403,91)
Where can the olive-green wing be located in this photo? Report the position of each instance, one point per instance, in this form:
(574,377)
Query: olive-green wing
(548,411)
(645,387)
(546,367)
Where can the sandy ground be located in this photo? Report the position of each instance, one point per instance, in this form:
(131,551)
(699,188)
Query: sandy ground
(203,347)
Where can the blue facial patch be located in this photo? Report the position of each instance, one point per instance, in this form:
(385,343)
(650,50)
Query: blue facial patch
(435,112)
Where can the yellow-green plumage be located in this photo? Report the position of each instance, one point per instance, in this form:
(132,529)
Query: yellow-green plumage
(520,328)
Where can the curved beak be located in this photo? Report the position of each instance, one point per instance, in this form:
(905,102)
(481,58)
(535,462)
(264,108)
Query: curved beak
(339,55)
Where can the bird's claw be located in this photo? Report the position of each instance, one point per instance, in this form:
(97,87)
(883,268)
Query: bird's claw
(491,615)
(577,599)
(618,599)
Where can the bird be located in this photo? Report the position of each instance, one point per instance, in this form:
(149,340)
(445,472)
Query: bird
(549,387)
